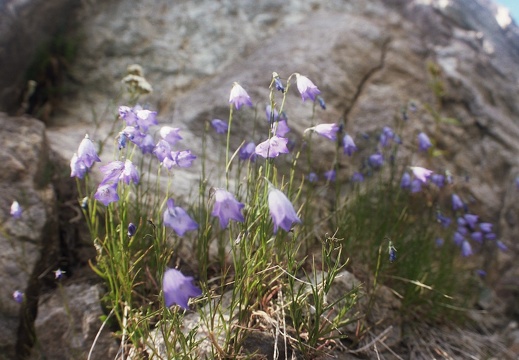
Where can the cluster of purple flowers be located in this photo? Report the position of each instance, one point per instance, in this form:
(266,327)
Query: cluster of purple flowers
(83,160)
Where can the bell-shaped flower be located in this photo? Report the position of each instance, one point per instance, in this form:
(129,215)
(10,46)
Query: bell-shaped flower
(477,236)
(127,114)
(112,172)
(219,126)
(178,288)
(466,249)
(423,142)
(330,175)
(485,227)
(458,238)
(457,204)
(416,186)
(146,118)
(438,180)
(106,193)
(471,220)
(281,210)
(129,173)
(329,131)
(306,88)
(16,210)
(226,207)
(376,160)
(501,246)
(18,296)
(247,152)
(312,177)
(421,173)
(357,177)
(177,218)
(239,97)
(170,134)
(272,147)
(348,145)
(147,144)
(87,153)
(280,128)
(77,167)
(183,159)
(386,136)
(132,229)
(162,150)
(405,182)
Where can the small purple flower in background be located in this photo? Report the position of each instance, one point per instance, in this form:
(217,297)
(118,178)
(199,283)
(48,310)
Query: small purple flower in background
(121,140)
(416,186)
(280,128)
(477,236)
(421,173)
(501,245)
(18,296)
(485,227)
(357,177)
(462,229)
(376,160)
(177,218)
(386,136)
(471,220)
(170,134)
(457,204)
(106,193)
(392,252)
(312,177)
(490,236)
(126,113)
(248,151)
(329,131)
(239,97)
(132,229)
(423,142)
(77,167)
(405,182)
(226,207)
(87,153)
(322,104)
(16,210)
(183,159)
(330,175)
(458,238)
(277,82)
(271,115)
(162,150)
(272,147)
(58,274)
(281,210)
(219,126)
(147,144)
(439,242)
(445,221)
(178,288)
(306,88)
(348,145)
(466,249)
(438,180)
(481,273)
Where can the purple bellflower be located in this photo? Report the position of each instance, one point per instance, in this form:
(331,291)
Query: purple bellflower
(376,160)
(457,204)
(357,177)
(147,144)
(277,82)
(16,210)
(471,220)
(281,210)
(405,182)
(106,193)
(87,153)
(466,249)
(170,134)
(183,159)
(485,227)
(132,229)
(458,238)
(18,296)
(438,180)
(423,142)
(490,236)
(219,126)
(226,207)
(329,131)
(312,177)
(477,236)
(348,145)
(77,167)
(239,97)
(330,175)
(162,150)
(145,118)
(306,88)
(386,136)
(445,221)
(421,173)
(178,288)
(501,246)
(272,147)
(280,128)
(416,186)
(248,151)
(177,218)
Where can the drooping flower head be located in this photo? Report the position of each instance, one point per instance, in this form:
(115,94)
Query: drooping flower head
(386,136)
(178,288)
(357,177)
(16,210)
(280,128)
(421,173)
(239,97)
(183,158)
(170,134)
(330,175)
(281,210)
(466,249)
(306,88)
(423,142)
(277,82)
(219,126)
(376,160)
(226,207)
(457,204)
(77,167)
(248,151)
(405,182)
(106,193)
(162,150)
(416,186)
(272,147)
(177,218)
(438,180)
(348,145)
(129,173)
(87,153)
(132,229)
(485,227)
(329,131)
(146,118)
(312,177)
